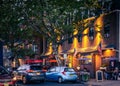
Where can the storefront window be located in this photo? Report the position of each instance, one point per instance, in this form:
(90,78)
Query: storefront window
(85,60)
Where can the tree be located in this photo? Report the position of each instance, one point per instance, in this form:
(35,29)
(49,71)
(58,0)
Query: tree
(53,19)
(13,29)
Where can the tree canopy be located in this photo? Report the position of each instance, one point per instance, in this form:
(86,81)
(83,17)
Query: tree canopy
(21,19)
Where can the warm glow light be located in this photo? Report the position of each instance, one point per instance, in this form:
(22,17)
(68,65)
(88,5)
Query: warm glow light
(75,32)
(21,61)
(90,18)
(50,50)
(109,53)
(97,62)
(70,61)
(99,23)
(58,38)
(86,31)
(56,31)
(75,43)
(98,39)
(59,48)
(50,44)
(85,41)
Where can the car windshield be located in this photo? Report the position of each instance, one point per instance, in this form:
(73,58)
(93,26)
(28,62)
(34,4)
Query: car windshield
(36,67)
(68,70)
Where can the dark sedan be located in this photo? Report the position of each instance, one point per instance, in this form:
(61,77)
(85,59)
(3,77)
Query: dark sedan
(29,72)
(6,78)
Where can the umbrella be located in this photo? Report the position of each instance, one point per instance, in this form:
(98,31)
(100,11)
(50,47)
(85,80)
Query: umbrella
(34,61)
(84,59)
(111,58)
(52,61)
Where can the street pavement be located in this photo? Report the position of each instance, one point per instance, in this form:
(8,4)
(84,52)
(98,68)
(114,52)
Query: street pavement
(91,82)
(94,82)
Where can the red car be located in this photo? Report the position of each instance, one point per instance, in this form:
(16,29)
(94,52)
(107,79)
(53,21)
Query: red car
(6,78)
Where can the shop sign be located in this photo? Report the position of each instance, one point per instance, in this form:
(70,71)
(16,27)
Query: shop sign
(99,75)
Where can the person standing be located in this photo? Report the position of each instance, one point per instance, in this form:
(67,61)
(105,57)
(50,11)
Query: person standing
(115,73)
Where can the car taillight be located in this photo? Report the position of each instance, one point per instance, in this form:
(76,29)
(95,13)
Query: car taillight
(29,71)
(63,73)
(44,70)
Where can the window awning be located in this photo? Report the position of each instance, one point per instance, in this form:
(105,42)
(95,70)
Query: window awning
(33,61)
(52,61)
(81,50)
(110,58)
(88,49)
(84,59)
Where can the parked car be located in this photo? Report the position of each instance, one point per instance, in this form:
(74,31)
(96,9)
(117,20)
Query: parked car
(30,72)
(6,77)
(61,74)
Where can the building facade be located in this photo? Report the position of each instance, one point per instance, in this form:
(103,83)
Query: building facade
(96,47)
(99,48)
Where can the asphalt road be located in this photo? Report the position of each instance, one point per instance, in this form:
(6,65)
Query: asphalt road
(48,83)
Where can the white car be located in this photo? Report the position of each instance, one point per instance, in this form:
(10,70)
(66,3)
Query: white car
(61,74)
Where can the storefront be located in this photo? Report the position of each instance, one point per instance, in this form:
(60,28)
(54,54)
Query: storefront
(109,59)
(91,59)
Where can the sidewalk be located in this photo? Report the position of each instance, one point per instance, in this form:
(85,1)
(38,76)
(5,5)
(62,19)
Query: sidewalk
(93,82)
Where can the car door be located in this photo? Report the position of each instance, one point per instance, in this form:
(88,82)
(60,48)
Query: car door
(51,74)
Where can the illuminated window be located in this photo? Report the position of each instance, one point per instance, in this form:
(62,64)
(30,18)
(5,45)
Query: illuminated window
(107,30)
(91,33)
(79,37)
(70,40)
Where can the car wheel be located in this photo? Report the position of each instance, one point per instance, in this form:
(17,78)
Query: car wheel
(60,80)
(24,80)
(74,81)
(42,81)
